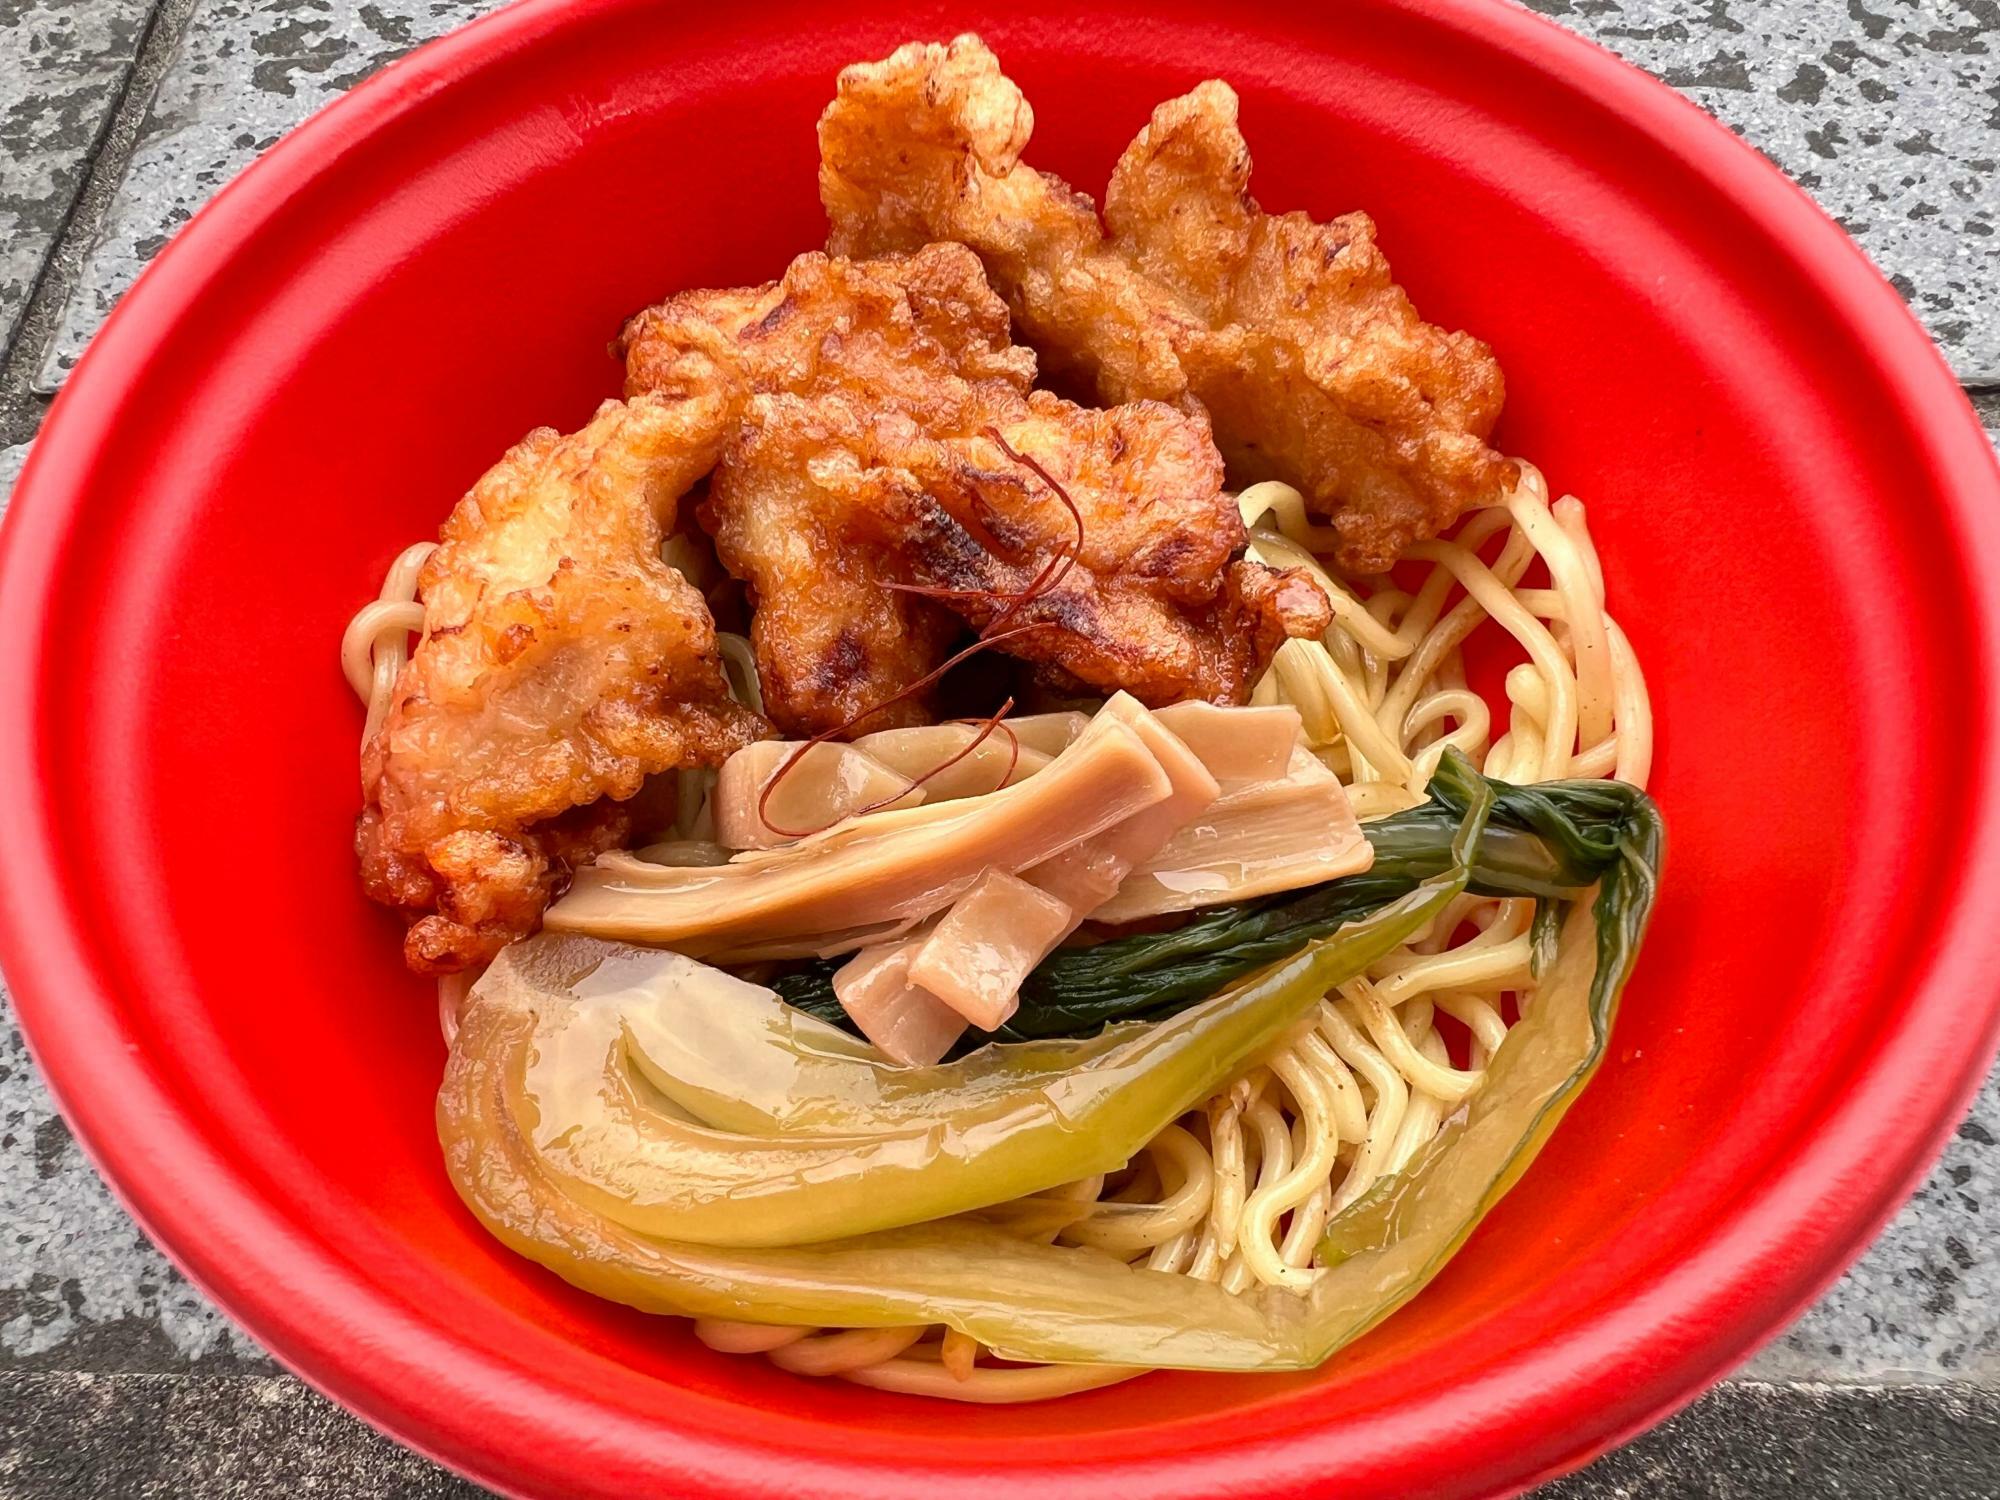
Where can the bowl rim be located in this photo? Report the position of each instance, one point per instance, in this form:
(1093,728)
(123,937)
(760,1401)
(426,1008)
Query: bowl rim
(1661,1348)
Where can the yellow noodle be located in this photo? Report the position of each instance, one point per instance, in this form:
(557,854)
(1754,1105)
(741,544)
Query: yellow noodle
(1480,1017)
(1176,1213)
(1307,1172)
(1365,1005)
(376,643)
(1003,1385)
(726,1336)
(1501,965)
(838,1353)
(1239,1191)
(1392,1094)
(958,1353)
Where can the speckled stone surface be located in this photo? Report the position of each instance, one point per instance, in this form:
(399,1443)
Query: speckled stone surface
(68,1435)
(1887,111)
(11,461)
(1924,1303)
(246,72)
(62,67)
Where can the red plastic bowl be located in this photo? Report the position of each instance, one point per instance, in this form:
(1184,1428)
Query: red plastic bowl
(1794,505)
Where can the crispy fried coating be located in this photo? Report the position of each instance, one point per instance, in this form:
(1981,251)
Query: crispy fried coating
(1309,357)
(922,335)
(835,645)
(562,663)
(889,328)
(926,145)
(1316,367)
(867,390)
(826,503)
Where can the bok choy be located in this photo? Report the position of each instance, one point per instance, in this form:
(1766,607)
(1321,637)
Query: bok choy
(1025,1299)
(638,1068)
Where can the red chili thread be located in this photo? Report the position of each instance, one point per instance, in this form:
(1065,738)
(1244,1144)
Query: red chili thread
(996,631)
(1053,571)
(1013,748)
(799,754)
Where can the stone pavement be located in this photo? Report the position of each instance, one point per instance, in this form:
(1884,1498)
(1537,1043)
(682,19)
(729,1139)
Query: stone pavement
(119,117)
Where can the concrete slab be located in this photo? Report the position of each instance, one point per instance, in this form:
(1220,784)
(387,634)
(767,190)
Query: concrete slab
(1886,111)
(62,68)
(246,72)
(69,1433)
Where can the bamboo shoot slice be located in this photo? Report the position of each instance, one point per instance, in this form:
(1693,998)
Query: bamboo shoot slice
(906,1021)
(828,783)
(1265,837)
(984,946)
(1238,745)
(916,864)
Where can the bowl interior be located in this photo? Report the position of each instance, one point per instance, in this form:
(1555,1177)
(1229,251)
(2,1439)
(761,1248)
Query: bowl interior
(340,373)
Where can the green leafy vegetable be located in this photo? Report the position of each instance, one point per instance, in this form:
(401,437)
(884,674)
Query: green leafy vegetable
(1411,1223)
(1029,1300)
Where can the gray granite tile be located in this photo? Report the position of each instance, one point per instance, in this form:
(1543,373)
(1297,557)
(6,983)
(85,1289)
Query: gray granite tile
(79,1284)
(1924,1302)
(1751,1441)
(246,72)
(11,461)
(62,67)
(1889,111)
(65,1434)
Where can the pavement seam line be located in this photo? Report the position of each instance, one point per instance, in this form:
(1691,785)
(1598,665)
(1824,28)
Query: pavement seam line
(104,171)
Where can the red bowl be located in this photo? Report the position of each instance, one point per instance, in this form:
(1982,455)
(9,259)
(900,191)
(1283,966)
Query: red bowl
(1793,502)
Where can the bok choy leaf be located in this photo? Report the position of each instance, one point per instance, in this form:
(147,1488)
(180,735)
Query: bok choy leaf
(1024,1299)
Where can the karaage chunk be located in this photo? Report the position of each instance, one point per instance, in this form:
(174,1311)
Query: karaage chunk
(920,335)
(836,646)
(832,508)
(561,663)
(1311,360)
(888,329)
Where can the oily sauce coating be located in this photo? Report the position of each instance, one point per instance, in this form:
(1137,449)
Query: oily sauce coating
(1309,357)
(562,663)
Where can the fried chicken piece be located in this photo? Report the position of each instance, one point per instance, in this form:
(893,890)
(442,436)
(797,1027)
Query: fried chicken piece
(1311,360)
(1316,367)
(921,334)
(836,647)
(867,384)
(926,145)
(867,388)
(827,504)
(562,663)
(888,327)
